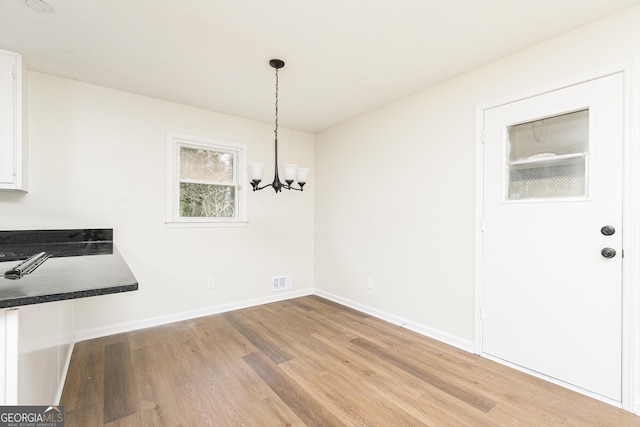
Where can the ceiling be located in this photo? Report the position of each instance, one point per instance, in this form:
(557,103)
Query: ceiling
(343,57)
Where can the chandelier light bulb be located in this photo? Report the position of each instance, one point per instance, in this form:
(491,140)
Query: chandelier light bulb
(289,172)
(256,171)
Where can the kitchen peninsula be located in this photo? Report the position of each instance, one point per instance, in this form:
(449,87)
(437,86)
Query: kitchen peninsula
(38,337)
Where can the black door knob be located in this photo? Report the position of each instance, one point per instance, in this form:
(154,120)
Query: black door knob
(608,252)
(608,230)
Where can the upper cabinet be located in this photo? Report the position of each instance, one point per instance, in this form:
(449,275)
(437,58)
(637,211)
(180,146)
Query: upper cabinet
(13,122)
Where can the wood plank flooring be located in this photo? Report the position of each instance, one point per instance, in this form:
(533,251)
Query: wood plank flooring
(306,362)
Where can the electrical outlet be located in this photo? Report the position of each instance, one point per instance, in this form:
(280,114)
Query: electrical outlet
(211,282)
(370,284)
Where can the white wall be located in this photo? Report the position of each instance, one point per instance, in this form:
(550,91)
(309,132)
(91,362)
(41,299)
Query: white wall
(395,187)
(98,159)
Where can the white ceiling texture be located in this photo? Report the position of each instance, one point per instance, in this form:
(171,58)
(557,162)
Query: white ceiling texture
(343,57)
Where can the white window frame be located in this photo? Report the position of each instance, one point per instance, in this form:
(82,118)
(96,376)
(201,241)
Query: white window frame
(177,140)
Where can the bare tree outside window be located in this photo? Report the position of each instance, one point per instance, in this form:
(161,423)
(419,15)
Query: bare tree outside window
(202,200)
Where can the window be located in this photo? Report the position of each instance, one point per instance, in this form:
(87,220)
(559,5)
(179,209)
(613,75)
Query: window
(204,177)
(548,158)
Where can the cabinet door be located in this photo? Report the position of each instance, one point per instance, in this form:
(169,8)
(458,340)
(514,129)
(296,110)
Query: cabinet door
(8,92)
(9,357)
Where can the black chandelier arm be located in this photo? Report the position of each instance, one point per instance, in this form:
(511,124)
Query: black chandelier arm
(255,183)
(276,185)
(289,184)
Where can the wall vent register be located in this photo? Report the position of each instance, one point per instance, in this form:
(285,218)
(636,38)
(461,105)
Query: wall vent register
(281,282)
(548,158)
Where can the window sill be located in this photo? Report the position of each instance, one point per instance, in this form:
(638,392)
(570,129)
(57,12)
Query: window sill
(205,224)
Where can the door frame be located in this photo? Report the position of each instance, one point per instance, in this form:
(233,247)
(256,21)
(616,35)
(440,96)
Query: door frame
(630,239)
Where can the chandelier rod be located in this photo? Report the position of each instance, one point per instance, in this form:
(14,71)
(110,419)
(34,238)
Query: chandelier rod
(277,64)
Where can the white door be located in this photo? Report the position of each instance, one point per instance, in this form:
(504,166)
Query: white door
(552,241)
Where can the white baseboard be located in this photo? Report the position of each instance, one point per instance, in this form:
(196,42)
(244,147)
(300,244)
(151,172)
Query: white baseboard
(82,335)
(281,296)
(415,327)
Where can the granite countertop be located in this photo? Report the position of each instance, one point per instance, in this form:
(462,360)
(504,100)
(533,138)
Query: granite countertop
(82,263)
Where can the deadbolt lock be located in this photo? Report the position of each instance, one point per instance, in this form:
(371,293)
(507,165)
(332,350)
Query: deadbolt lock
(608,252)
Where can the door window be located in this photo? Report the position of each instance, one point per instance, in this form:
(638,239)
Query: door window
(547,158)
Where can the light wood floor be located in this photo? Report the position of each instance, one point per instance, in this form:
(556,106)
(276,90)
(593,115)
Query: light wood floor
(306,362)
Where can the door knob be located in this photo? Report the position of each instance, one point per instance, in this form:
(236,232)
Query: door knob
(608,252)
(608,230)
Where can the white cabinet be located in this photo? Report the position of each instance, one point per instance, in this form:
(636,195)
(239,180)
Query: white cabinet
(9,357)
(45,344)
(13,122)
(36,342)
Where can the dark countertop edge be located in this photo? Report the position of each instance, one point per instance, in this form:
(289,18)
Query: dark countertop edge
(29,300)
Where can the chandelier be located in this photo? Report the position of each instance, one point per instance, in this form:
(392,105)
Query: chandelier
(290,172)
